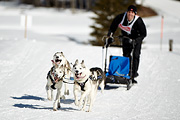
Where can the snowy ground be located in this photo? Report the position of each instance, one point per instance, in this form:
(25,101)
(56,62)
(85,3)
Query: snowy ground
(24,64)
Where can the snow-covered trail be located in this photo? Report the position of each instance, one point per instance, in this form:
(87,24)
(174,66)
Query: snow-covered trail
(27,62)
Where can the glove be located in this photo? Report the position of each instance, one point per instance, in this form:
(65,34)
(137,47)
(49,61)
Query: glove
(110,40)
(130,41)
(133,42)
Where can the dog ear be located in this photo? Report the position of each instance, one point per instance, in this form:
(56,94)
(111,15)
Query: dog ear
(54,54)
(82,63)
(98,72)
(62,54)
(76,62)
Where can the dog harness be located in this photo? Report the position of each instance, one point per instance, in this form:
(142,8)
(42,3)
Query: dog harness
(94,79)
(82,85)
(128,27)
(49,75)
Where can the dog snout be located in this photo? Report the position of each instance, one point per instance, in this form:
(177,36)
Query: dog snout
(76,71)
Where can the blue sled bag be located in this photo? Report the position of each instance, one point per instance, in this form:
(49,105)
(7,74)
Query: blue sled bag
(119,66)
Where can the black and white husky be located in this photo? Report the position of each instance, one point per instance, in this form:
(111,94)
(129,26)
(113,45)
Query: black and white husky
(84,85)
(55,80)
(97,75)
(57,77)
(59,59)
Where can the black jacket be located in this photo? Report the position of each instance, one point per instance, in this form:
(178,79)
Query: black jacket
(138,31)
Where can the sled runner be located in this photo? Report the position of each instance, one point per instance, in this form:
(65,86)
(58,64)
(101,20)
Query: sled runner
(120,68)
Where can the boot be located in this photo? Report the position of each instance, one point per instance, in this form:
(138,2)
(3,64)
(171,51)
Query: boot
(134,81)
(129,84)
(135,75)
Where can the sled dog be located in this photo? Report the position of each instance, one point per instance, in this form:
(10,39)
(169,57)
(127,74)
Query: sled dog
(55,81)
(97,75)
(59,59)
(58,76)
(84,85)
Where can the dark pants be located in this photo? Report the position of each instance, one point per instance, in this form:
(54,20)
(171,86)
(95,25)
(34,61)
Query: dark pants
(127,49)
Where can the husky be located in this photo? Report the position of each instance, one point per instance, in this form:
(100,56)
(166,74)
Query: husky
(84,85)
(59,59)
(55,79)
(97,75)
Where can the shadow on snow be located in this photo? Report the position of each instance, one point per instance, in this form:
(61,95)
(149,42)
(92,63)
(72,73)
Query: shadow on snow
(114,86)
(29,97)
(38,107)
(31,106)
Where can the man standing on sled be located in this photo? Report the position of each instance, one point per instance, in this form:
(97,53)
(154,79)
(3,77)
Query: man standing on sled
(133,30)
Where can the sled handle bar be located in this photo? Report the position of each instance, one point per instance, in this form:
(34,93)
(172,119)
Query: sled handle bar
(105,38)
(120,37)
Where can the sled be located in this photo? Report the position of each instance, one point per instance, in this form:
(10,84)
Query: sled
(119,70)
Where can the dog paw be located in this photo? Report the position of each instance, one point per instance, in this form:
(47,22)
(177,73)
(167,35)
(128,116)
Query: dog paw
(82,109)
(76,103)
(54,109)
(49,98)
(88,110)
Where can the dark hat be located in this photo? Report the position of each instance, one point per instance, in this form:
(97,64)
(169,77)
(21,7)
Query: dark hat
(132,8)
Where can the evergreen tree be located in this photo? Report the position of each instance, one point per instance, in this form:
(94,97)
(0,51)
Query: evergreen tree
(105,11)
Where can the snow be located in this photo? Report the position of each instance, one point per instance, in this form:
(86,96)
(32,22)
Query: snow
(24,64)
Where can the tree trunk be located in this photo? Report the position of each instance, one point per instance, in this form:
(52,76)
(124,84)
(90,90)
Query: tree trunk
(64,4)
(73,5)
(87,4)
(81,4)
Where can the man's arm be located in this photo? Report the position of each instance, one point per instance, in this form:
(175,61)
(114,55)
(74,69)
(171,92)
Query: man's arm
(114,24)
(142,31)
